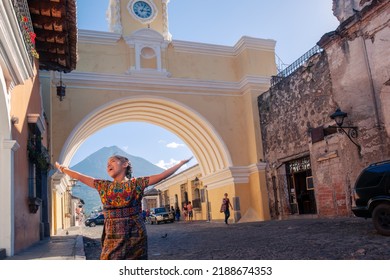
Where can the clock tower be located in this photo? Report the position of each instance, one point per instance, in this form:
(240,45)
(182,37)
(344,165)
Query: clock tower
(127,16)
(143,25)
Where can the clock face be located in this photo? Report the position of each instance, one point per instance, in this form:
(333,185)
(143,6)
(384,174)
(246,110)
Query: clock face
(142,9)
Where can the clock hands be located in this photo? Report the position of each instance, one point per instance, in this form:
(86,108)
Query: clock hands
(142,9)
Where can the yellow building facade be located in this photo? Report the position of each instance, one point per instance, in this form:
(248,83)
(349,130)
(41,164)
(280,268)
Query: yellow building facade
(205,94)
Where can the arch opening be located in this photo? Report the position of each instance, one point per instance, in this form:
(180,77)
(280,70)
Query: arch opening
(195,131)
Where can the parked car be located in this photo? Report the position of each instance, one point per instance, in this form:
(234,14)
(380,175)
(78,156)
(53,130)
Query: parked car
(372,196)
(159,215)
(95,220)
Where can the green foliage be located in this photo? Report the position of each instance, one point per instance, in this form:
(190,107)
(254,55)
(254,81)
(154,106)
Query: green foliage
(39,156)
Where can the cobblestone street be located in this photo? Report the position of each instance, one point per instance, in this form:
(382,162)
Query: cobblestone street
(297,239)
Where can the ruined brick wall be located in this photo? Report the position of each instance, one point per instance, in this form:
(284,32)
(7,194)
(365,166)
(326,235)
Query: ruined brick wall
(353,73)
(288,113)
(359,63)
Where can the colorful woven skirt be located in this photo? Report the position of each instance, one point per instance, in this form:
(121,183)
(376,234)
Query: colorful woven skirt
(124,235)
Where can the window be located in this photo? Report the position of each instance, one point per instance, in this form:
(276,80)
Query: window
(196,201)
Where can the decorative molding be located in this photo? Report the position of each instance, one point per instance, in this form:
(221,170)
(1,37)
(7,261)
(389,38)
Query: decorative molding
(202,48)
(12,49)
(145,72)
(254,43)
(36,118)
(253,84)
(212,49)
(98,37)
(58,182)
(142,39)
(232,175)
(11,145)
(160,82)
(257,167)
(146,37)
(110,38)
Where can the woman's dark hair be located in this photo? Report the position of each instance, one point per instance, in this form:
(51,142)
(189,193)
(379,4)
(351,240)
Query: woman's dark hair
(129,168)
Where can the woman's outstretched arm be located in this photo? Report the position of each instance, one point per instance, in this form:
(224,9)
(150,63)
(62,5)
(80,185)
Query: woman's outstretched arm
(76,175)
(154,179)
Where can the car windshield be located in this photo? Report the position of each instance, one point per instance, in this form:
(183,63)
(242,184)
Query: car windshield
(159,210)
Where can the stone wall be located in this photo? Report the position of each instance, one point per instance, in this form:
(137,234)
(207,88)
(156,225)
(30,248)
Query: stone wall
(289,112)
(352,73)
(343,9)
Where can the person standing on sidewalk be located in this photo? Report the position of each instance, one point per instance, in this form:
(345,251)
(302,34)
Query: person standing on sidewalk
(225,207)
(190,211)
(185,212)
(124,234)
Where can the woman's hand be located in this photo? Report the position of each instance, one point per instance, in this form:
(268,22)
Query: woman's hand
(89,181)
(184,161)
(154,179)
(58,166)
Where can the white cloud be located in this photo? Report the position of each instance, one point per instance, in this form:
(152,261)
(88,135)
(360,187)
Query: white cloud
(170,163)
(174,145)
(125,148)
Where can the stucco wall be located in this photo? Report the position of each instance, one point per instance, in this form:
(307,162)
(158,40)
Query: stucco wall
(25,99)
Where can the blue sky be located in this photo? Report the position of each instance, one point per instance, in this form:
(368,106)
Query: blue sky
(295,25)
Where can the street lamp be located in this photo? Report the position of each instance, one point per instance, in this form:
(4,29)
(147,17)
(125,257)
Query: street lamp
(338,116)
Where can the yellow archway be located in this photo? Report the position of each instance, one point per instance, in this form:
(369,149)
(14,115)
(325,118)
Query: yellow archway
(191,127)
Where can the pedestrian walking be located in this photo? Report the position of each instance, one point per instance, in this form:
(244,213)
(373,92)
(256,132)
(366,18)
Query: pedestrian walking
(124,234)
(225,207)
(177,213)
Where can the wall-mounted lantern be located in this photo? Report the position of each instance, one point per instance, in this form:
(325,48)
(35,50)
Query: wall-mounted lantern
(61,88)
(338,116)
(196,181)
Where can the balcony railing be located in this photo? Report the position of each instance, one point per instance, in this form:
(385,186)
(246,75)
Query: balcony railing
(22,13)
(295,65)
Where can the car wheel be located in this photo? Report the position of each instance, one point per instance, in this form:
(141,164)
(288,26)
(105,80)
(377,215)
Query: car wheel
(92,224)
(381,219)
